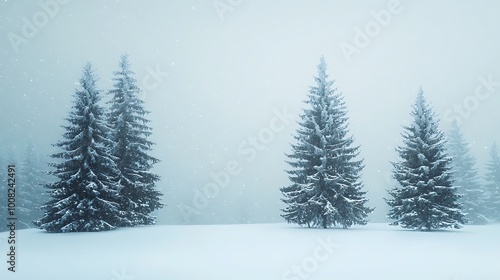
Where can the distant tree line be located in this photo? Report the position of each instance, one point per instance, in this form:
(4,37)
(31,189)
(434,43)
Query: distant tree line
(30,196)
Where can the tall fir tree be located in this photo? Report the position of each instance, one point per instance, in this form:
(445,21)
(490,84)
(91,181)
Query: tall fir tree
(465,177)
(86,195)
(426,198)
(130,132)
(31,194)
(326,189)
(493,185)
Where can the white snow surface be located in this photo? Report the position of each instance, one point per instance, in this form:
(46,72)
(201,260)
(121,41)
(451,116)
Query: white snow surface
(257,252)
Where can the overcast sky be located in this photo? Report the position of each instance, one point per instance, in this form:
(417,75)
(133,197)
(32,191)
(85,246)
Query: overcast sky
(225,82)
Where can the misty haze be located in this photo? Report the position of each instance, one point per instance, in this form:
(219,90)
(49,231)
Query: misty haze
(237,139)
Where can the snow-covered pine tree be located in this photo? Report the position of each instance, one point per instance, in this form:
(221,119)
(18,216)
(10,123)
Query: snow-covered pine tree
(325,175)
(130,132)
(426,199)
(465,177)
(493,185)
(86,195)
(31,195)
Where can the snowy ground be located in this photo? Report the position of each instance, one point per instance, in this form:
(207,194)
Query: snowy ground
(258,252)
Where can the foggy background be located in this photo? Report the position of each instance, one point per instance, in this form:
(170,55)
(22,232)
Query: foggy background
(216,72)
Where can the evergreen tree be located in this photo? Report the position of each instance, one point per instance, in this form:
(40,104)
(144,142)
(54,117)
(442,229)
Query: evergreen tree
(493,185)
(130,135)
(465,177)
(86,195)
(30,193)
(426,199)
(325,175)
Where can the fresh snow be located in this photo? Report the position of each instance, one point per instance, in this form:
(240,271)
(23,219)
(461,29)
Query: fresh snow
(257,252)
